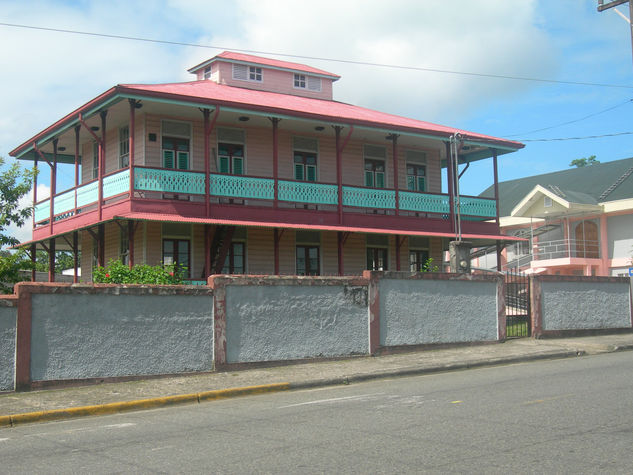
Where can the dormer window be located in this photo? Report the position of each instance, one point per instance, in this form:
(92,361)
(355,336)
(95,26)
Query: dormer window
(303,81)
(207,73)
(243,72)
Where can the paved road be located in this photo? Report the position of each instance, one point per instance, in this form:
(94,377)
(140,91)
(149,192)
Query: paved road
(564,416)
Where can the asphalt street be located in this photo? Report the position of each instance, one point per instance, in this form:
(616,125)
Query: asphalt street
(564,416)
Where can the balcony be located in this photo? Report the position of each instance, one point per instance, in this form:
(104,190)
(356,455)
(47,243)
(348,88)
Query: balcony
(183,193)
(557,253)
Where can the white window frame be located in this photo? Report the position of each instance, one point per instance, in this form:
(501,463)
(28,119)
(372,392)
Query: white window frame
(245,72)
(206,73)
(300,81)
(220,140)
(124,146)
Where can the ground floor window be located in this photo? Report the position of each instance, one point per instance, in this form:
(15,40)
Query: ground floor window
(417,260)
(176,252)
(376,258)
(235,259)
(308,260)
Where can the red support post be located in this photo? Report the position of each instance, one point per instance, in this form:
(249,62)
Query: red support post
(77,131)
(398,244)
(102,158)
(496,177)
(339,179)
(275,122)
(396,184)
(341,270)
(51,260)
(451,190)
(33,261)
(53,187)
(131,231)
(75,257)
(276,249)
(132,128)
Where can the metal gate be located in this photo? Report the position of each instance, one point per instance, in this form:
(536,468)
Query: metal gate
(517,304)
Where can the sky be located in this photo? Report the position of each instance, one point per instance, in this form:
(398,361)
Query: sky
(445,53)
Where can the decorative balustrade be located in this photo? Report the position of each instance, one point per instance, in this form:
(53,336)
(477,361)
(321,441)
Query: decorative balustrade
(307,192)
(369,197)
(232,186)
(424,202)
(169,181)
(243,187)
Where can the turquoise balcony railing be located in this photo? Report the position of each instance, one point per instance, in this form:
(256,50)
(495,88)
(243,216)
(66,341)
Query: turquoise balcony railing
(307,192)
(232,186)
(244,187)
(369,197)
(169,181)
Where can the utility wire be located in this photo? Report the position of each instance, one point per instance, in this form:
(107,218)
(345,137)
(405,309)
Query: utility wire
(316,58)
(577,138)
(571,121)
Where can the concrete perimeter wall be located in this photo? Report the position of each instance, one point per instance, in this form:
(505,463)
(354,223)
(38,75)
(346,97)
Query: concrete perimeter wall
(8,322)
(420,309)
(105,331)
(276,318)
(574,304)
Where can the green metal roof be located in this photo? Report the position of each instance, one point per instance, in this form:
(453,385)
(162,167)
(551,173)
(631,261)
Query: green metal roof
(588,185)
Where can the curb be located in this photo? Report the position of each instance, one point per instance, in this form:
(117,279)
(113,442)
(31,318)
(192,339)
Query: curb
(151,403)
(404,372)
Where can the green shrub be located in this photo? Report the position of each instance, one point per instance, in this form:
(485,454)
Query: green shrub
(118,273)
(429,267)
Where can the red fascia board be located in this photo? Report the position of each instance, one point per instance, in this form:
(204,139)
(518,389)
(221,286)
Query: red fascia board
(316,227)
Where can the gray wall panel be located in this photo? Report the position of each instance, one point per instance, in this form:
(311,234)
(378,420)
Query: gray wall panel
(414,312)
(7,347)
(285,322)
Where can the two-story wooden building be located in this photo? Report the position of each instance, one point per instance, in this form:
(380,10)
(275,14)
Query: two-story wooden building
(254,168)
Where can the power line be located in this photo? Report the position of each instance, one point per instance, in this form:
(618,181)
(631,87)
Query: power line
(571,121)
(577,138)
(317,58)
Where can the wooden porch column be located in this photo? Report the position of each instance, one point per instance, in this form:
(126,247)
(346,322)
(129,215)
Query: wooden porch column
(134,104)
(207,250)
(341,270)
(75,257)
(339,175)
(51,260)
(496,175)
(101,245)
(275,122)
(33,261)
(77,131)
(396,183)
(131,230)
(276,249)
(208,128)
(398,245)
(451,191)
(102,157)
(34,188)
(53,187)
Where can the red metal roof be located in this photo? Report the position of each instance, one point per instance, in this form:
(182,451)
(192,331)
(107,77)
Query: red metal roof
(275,63)
(326,110)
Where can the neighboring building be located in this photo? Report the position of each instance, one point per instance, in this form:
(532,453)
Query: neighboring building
(254,168)
(579,221)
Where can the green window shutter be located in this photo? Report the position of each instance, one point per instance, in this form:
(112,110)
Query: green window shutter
(238,166)
(224,164)
(183,160)
(411,183)
(380,180)
(311,169)
(369,178)
(298,171)
(421,184)
(168,158)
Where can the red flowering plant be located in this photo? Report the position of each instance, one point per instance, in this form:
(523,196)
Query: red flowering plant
(116,272)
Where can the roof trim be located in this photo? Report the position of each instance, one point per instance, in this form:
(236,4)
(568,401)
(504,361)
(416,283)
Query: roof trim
(531,198)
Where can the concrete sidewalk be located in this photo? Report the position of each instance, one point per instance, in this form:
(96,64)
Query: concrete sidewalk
(106,398)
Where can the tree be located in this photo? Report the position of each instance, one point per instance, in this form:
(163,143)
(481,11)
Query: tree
(14,184)
(583,162)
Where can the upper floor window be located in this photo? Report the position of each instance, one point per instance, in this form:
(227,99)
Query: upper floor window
(247,73)
(231,153)
(416,170)
(176,137)
(305,158)
(207,73)
(374,166)
(303,81)
(124,146)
